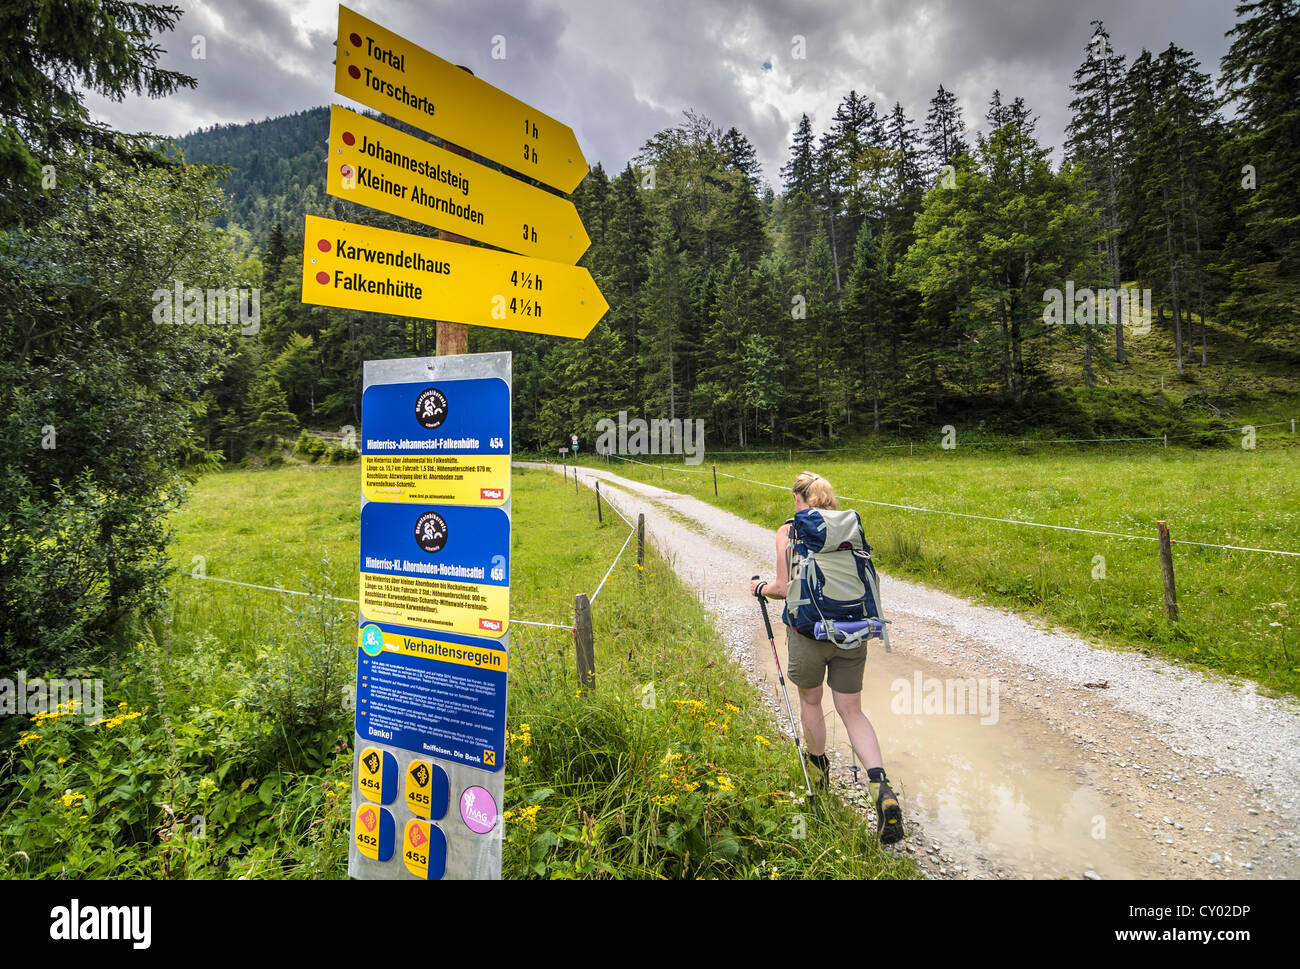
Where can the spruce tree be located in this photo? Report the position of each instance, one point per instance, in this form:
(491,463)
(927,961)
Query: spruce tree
(1261,75)
(1091,143)
(944,129)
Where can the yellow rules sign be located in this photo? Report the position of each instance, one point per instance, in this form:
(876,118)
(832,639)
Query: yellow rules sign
(390,74)
(378,166)
(360,268)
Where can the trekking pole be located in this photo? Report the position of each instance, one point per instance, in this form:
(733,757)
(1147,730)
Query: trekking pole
(762,604)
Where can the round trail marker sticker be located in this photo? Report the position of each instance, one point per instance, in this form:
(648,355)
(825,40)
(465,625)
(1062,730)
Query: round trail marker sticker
(431,408)
(372,639)
(478,810)
(431,532)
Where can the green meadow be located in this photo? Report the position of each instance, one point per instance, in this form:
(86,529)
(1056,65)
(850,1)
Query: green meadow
(226,749)
(1237,610)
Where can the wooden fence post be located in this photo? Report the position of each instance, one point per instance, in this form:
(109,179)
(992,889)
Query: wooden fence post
(1167,568)
(640,543)
(600,519)
(715,481)
(575,482)
(584,641)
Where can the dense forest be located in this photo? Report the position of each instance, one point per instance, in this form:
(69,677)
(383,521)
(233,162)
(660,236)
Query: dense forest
(897,278)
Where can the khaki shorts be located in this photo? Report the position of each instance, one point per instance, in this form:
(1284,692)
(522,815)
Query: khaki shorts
(814,660)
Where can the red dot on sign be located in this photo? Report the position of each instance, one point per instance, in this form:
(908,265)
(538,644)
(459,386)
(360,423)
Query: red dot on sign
(356,39)
(349,138)
(323,245)
(345,171)
(322,278)
(354,73)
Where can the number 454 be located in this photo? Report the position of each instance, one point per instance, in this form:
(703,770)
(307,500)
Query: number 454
(497,442)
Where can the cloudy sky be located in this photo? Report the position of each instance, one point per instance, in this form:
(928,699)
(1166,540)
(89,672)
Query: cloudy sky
(618,71)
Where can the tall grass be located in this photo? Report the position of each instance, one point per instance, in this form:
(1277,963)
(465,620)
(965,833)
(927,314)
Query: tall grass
(238,761)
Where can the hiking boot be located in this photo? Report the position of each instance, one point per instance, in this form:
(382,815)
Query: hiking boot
(823,765)
(889,816)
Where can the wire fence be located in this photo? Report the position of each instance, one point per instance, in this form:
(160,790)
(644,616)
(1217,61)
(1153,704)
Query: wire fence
(994,518)
(318,595)
(994,444)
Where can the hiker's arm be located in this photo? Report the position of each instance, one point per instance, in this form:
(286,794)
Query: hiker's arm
(776,588)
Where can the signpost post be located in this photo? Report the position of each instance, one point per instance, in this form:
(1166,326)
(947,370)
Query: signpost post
(433,636)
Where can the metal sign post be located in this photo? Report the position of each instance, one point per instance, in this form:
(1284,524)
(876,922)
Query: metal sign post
(433,640)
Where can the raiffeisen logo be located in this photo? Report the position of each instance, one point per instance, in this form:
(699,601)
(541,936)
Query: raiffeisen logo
(102,923)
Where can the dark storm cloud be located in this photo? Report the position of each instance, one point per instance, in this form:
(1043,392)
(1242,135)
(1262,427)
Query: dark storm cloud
(619,72)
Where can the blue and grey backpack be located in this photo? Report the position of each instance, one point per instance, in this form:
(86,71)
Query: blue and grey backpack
(833,592)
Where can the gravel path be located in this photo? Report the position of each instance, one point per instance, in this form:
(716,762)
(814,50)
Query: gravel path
(1197,777)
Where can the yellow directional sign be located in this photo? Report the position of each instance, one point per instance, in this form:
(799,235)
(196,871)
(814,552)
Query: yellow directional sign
(390,74)
(386,169)
(361,268)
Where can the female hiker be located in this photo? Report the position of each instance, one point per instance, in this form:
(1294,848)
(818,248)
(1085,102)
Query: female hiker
(812,661)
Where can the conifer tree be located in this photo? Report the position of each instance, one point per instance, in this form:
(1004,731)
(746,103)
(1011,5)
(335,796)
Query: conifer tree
(1091,142)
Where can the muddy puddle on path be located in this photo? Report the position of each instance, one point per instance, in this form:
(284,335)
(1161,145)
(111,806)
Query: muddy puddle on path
(1012,791)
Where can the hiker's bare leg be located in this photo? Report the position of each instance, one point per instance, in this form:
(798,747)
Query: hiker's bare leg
(814,726)
(858,727)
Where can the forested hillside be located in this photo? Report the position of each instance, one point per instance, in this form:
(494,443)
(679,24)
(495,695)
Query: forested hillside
(896,280)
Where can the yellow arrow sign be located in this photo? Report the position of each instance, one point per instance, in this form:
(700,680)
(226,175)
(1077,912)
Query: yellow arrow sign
(386,169)
(390,74)
(361,268)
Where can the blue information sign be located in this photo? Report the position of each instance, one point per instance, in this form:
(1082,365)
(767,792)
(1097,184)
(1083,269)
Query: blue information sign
(434,693)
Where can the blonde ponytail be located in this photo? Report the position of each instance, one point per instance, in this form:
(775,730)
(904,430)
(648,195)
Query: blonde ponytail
(815,490)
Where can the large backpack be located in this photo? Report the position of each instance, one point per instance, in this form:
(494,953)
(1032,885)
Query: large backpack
(832,577)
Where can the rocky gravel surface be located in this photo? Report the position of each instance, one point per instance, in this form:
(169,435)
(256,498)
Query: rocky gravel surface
(1205,773)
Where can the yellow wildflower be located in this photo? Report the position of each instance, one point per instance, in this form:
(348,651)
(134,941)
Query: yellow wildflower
(763,740)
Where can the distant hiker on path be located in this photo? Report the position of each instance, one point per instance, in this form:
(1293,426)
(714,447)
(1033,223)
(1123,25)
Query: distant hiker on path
(825,552)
